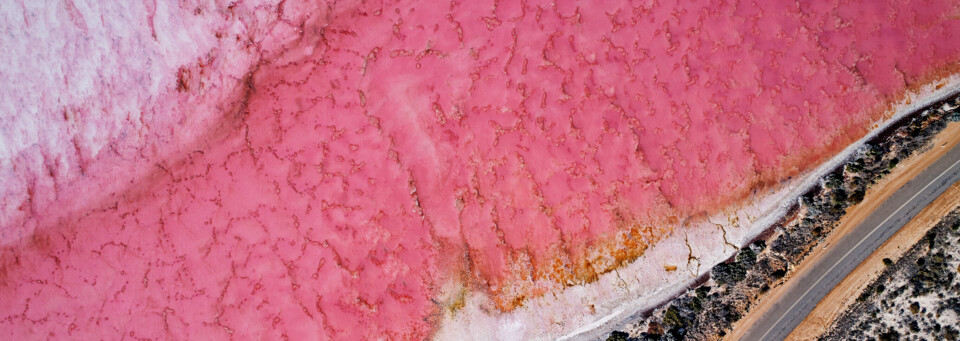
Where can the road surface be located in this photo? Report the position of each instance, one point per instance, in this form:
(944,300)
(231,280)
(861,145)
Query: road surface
(845,255)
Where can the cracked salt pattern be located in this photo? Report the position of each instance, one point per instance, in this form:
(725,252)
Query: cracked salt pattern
(269,171)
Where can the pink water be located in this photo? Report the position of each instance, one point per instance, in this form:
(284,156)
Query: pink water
(500,144)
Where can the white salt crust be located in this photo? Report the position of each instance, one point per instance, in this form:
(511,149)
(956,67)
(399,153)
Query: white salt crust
(81,78)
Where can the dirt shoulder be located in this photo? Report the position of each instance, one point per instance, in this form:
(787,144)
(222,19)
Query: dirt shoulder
(876,195)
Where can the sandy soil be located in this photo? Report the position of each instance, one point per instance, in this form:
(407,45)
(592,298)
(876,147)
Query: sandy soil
(867,271)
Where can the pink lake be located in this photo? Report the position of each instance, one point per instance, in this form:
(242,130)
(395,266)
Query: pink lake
(516,147)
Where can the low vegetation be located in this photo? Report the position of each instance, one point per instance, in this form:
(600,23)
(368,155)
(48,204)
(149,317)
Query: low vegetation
(924,302)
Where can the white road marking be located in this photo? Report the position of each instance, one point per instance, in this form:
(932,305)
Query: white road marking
(855,247)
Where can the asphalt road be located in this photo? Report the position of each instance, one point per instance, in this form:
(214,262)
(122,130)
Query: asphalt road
(850,251)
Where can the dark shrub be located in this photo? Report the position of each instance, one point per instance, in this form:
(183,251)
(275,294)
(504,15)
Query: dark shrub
(619,336)
(890,335)
(728,273)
